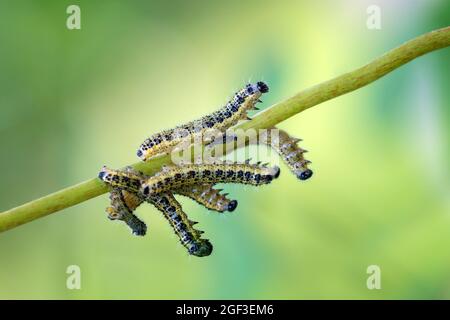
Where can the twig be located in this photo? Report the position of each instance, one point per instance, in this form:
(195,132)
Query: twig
(275,114)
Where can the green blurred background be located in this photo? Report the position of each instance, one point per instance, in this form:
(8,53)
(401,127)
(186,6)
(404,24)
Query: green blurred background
(74,100)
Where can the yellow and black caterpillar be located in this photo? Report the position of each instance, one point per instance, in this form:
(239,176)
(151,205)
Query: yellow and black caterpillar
(209,197)
(236,109)
(189,237)
(286,146)
(174,177)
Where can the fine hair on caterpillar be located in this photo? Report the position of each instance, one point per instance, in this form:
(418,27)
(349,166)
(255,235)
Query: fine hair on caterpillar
(235,110)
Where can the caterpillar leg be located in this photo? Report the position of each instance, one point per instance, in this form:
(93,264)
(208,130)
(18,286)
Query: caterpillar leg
(209,197)
(123,203)
(189,237)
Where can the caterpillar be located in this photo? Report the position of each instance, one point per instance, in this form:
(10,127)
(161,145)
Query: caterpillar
(173,177)
(235,110)
(123,203)
(286,146)
(209,197)
(189,237)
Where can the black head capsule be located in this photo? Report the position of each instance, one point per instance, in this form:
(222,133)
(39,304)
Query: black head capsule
(305,175)
(138,227)
(101,175)
(232,205)
(139,153)
(262,87)
(277,172)
(202,249)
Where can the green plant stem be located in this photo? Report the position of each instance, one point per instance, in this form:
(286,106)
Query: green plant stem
(270,117)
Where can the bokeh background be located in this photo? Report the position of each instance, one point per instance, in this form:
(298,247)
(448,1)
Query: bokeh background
(74,100)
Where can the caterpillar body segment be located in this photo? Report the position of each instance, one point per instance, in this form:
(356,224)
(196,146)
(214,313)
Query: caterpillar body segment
(123,203)
(209,197)
(189,237)
(174,178)
(236,109)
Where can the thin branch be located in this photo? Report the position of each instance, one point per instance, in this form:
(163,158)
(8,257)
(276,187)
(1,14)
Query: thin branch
(275,114)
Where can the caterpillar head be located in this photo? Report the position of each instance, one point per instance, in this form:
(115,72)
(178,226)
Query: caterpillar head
(232,205)
(262,87)
(140,153)
(202,248)
(305,175)
(105,174)
(276,171)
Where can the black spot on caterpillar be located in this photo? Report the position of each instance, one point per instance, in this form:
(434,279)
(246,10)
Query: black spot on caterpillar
(209,197)
(123,203)
(286,146)
(183,227)
(235,110)
(174,177)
